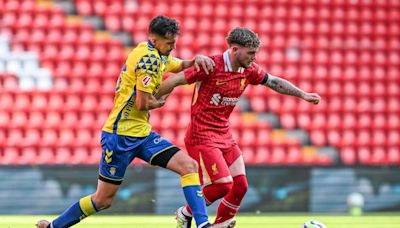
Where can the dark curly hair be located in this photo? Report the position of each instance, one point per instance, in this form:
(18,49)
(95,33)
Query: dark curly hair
(164,26)
(244,37)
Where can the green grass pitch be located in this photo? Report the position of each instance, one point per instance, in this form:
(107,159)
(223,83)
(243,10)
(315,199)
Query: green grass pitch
(243,221)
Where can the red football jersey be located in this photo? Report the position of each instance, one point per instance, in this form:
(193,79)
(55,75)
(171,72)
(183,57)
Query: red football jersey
(215,96)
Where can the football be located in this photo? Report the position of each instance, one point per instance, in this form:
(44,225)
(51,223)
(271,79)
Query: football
(313,224)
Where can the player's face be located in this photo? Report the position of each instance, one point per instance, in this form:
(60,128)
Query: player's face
(246,56)
(165,44)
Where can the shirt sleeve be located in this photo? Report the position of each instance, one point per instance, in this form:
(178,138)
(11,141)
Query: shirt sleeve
(173,64)
(192,75)
(146,71)
(257,75)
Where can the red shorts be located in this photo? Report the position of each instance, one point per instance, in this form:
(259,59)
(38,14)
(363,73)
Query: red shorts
(213,162)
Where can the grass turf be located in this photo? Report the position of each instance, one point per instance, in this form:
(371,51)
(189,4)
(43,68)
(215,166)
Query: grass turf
(243,221)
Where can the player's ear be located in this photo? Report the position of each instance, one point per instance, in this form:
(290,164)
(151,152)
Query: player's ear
(153,38)
(234,49)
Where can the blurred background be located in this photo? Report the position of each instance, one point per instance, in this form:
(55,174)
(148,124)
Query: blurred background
(59,62)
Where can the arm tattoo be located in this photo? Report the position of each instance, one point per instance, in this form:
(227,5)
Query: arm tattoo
(282,86)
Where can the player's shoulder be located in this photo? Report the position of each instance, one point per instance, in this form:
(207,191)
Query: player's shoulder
(218,60)
(217,57)
(147,58)
(255,67)
(144,49)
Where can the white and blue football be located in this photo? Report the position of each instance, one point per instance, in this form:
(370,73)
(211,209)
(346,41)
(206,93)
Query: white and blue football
(313,224)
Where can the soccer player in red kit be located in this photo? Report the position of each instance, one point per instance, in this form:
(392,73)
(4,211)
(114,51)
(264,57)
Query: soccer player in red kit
(208,138)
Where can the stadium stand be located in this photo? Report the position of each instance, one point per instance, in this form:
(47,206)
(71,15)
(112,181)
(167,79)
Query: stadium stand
(57,77)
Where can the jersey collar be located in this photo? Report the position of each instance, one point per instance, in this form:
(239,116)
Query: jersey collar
(151,48)
(228,65)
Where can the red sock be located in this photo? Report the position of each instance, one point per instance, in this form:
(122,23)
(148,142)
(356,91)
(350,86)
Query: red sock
(230,204)
(213,192)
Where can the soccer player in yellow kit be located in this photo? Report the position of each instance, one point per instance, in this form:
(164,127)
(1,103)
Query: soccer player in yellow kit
(127,132)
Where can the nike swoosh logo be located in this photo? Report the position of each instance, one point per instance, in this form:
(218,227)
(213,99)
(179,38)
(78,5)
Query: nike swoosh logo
(220,83)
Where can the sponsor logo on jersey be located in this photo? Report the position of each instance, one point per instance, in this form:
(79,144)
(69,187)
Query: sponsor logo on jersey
(229,101)
(216,99)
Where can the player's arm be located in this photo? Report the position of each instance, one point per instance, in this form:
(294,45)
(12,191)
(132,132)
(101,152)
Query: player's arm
(146,101)
(283,86)
(170,83)
(199,61)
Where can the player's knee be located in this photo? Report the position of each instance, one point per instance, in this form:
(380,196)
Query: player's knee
(224,188)
(102,202)
(190,166)
(240,185)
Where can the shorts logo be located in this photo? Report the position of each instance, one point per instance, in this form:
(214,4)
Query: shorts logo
(113,170)
(158,140)
(214,169)
(199,193)
(146,81)
(108,157)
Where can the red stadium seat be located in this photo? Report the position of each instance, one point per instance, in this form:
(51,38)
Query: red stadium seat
(62,155)
(79,155)
(364,156)
(87,119)
(278,156)
(84,138)
(32,137)
(9,156)
(248,137)
(348,156)
(393,156)
(378,156)
(28,156)
(294,156)
(248,155)
(66,137)
(262,155)
(45,156)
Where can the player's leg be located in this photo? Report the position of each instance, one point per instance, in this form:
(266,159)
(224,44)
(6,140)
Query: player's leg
(87,206)
(230,204)
(160,152)
(187,168)
(214,173)
(116,156)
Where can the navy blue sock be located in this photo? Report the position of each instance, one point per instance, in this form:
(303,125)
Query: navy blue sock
(75,213)
(194,197)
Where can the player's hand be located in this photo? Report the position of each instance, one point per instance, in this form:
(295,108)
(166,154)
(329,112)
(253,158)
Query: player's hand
(205,62)
(161,102)
(312,98)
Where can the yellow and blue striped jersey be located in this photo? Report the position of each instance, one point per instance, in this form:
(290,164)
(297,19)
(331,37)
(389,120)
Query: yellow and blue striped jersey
(143,70)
